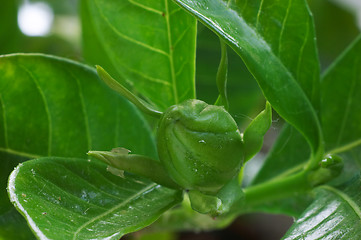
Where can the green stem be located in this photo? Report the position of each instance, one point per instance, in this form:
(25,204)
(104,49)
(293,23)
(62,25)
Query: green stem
(222,77)
(277,189)
(316,157)
(113,84)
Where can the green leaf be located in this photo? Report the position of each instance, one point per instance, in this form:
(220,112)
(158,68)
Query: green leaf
(9,33)
(82,200)
(288,155)
(10,220)
(341,97)
(254,133)
(13,226)
(55,107)
(263,33)
(333,21)
(147,45)
(335,214)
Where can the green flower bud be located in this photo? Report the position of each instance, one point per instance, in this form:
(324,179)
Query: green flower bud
(330,167)
(199,145)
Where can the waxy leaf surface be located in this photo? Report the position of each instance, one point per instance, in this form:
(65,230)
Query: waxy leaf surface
(55,107)
(65,198)
(148,46)
(264,33)
(335,214)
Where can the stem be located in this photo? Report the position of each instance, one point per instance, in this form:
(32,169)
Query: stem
(113,84)
(277,189)
(222,77)
(315,159)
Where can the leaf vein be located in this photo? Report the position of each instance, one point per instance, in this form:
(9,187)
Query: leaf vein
(84,111)
(259,13)
(5,123)
(145,7)
(19,153)
(346,198)
(48,182)
(127,37)
(283,27)
(85,181)
(152,79)
(181,36)
(174,84)
(114,208)
(244,6)
(300,54)
(113,184)
(175,11)
(348,106)
(50,127)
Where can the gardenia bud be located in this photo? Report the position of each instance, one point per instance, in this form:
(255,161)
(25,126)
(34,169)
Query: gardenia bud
(330,167)
(199,145)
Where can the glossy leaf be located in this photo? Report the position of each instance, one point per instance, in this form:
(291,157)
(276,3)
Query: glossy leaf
(147,45)
(263,33)
(290,152)
(341,97)
(82,200)
(52,106)
(335,214)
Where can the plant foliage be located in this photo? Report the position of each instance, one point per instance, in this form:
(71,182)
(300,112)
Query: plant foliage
(185,173)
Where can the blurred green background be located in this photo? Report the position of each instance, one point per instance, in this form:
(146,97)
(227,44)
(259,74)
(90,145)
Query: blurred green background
(337,22)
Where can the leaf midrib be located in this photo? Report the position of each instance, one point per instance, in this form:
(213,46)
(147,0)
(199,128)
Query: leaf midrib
(5,123)
(170,56)
(19,153)
(345,198)
(46,106)
(134,196)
